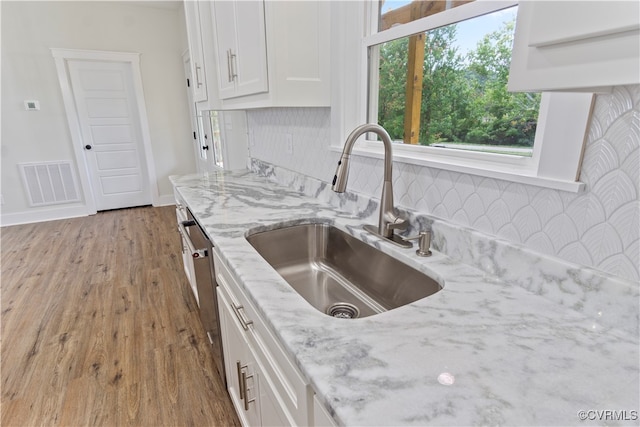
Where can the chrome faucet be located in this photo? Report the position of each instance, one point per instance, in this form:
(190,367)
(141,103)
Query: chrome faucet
(388,219)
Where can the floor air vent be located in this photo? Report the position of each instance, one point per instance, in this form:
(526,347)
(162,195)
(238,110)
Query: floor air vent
(49,183)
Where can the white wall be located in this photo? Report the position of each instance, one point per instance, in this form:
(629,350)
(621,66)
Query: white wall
(599,228)
(30,29)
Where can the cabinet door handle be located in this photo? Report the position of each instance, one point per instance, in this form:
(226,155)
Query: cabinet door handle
(234,66)
(198,83)
(243,321)
(229,78)
(182,229)
(239,368)
(246,395)
(231,65)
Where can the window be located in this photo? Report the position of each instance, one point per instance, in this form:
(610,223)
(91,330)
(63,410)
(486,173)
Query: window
(557,136)
(211,141)
(447,87)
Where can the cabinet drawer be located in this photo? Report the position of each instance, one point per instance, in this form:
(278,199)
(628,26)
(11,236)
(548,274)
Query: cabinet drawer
(285,378)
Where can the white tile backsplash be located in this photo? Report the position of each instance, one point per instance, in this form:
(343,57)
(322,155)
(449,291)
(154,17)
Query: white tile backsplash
(599,228)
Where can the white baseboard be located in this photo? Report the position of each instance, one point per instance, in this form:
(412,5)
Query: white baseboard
(166,200)
(42,215)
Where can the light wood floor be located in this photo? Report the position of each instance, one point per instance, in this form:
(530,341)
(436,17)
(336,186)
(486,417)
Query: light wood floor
(99,326)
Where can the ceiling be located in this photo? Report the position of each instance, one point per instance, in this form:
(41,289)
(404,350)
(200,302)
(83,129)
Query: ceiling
(161,4)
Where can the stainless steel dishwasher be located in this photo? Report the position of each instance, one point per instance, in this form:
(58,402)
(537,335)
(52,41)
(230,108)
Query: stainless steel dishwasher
(204,274)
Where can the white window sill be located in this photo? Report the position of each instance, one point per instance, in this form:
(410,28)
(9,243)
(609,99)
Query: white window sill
(468,162)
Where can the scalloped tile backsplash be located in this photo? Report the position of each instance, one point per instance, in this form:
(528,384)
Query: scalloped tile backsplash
(598,228)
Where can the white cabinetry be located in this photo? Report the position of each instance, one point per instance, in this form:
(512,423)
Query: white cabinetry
(241,47)
(321,417)
(265,386)
(256,53)
(196,50)
(250,390)
(272,53)
(575,45)
(204,67)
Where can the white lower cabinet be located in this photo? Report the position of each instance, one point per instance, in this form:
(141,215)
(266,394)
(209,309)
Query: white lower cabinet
(265,387)
(249,389)
(321,417)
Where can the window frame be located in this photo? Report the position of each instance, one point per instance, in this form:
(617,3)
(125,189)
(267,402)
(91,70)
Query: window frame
(557,155)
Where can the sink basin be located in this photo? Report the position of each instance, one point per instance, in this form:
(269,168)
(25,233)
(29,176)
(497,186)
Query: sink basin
(338,274)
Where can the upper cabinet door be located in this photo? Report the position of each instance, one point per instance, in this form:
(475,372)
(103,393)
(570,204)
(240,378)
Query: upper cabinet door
(575,45)
(241,48)
(199,83)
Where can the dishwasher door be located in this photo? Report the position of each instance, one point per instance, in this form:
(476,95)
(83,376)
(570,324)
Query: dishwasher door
(201,251)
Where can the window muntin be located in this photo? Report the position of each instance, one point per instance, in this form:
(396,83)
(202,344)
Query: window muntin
(395,12)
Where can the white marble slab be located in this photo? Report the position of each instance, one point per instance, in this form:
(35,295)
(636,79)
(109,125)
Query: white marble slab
(483,351)
(609,301)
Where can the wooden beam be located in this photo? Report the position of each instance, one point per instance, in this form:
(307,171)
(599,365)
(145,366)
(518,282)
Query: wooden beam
(415,71)
(413,100)
(415,10)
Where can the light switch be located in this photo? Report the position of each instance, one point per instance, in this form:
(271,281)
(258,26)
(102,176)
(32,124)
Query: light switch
(32,105)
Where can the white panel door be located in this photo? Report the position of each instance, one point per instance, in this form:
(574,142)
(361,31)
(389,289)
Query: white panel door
(110,127)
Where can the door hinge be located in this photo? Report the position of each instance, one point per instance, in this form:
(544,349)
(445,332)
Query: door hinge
(195,136)
(188,83)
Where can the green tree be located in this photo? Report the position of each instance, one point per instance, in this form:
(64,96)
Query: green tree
(393,81)
(464,99)
(444,89)
(501,117)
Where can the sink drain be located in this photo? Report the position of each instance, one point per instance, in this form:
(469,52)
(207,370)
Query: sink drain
(343,310)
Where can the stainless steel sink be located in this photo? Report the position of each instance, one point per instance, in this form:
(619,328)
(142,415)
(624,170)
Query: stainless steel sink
(339,274)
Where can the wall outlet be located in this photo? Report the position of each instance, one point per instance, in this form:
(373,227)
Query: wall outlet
(288,138)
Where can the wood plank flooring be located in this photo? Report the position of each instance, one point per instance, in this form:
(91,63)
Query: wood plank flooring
(99,326)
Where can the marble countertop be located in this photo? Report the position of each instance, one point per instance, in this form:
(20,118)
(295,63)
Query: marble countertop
(479,352)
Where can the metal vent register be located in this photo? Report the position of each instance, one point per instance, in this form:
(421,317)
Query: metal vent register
(49,183)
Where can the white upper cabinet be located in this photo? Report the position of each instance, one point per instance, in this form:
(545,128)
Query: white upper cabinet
(576,45)
(256,53)
(196,51)
(241,47)
(204,70)
(272,53)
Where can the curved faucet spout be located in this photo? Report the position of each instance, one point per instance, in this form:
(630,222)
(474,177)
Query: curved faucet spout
(388,220)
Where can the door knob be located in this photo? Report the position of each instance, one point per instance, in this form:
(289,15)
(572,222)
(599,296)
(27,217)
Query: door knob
(87,147)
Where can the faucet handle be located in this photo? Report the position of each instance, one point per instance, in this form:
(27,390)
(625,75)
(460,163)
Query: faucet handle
(424,243)
(398,224)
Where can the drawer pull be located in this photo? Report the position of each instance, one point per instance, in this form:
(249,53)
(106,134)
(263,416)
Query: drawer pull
(239,369)
(246,394)
(243,321)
